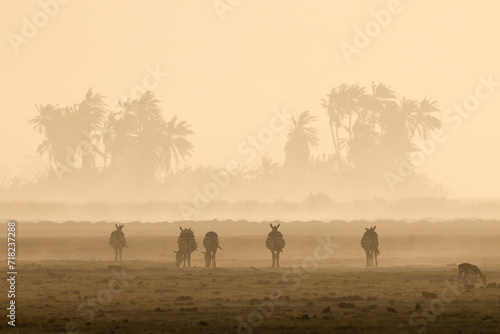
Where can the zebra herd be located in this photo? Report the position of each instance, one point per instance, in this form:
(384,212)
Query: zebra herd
(186,243)
(275,242)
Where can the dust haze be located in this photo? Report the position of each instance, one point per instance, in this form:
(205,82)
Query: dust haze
(328,121)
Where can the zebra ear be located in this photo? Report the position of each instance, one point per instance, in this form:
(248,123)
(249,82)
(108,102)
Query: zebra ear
(180,228)
(374,227)
(175,252)
(278,225)
(366,228)
(271,225)
(116,225)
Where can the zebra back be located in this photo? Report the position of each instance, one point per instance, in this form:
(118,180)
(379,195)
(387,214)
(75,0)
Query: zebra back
(187,242)
(117,239)
(275,241)
(369,240)
(211,241)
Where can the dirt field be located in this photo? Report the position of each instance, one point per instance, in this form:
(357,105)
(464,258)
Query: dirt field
(67,281)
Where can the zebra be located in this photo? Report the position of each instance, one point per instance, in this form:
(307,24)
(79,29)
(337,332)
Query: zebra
(369,242)
(211,243)
(469,269)
(187,245)
(275,243)
(117,241)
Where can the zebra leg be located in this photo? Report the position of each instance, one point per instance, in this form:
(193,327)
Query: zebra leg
(375,256)
(367,257)
(277,259)
(120,253)
(116,254)
(274,258)
(213,261)
(189,260)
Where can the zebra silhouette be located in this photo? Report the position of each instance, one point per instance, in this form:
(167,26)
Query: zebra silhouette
(211,243)
(117,241)
(187,245)
(275,243)
(369,242)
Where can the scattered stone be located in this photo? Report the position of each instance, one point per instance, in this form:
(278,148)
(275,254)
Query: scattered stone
(305,317)
(418,308)
(194,309)
(254,301)
(371,307)
(311,303)
(347,305)
(326,310)
(158,309)
(371,298)
(327,299)
(203,323)
(350,298)
(184,298)
(429,295)
(392,310)
(491,286)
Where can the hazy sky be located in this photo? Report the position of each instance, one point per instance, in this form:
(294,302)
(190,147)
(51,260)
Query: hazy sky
(226,76)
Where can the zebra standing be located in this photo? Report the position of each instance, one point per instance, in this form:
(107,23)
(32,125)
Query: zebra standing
(211,243)
(117,241)
(275,243)
(369,242)
(187,245)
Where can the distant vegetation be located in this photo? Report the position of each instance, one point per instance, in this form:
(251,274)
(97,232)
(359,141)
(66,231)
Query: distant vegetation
(136,153)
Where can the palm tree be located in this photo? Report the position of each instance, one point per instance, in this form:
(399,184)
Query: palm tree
(425,121)
(266,168)
(174,143)
(344,102)
(91,113)
(57,126)
(301,138)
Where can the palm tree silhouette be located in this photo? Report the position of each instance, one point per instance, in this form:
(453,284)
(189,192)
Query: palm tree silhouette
(91,112)
(142,142)
(343,103)
(174,143)
(301,138)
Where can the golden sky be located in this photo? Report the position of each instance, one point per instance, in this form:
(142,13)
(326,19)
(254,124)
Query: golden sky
(225,76)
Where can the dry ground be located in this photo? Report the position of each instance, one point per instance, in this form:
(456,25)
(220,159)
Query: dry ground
(67,280)
(100,297)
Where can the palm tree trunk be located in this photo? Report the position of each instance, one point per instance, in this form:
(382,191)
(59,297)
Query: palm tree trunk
(334,140)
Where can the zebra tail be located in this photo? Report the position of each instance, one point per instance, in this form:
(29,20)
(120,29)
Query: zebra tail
(219,247)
